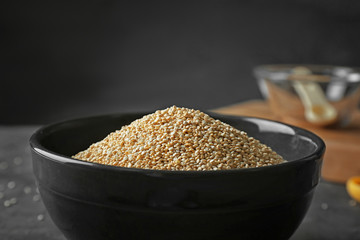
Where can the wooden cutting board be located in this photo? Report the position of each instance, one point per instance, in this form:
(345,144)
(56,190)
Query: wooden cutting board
(342,157)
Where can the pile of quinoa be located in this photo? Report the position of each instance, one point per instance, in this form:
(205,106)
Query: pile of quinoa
(180,139)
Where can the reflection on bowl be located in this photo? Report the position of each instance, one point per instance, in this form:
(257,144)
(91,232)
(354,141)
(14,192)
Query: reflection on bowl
(93,201)
(321,95)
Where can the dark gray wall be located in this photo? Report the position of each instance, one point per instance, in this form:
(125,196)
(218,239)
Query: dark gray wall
(68,59)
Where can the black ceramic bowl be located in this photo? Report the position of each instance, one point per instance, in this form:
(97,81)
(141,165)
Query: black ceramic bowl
(92,201)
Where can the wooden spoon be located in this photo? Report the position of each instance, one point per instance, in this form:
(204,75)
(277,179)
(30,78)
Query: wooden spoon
(317,109)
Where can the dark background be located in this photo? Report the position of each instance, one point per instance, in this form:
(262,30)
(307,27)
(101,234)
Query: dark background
(62,59)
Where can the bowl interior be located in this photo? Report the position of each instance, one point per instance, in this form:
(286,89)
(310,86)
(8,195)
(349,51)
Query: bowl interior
(68,138)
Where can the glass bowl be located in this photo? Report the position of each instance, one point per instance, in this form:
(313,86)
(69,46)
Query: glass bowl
(312,94)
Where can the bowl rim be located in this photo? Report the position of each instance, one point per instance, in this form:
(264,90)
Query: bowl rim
(38,148)
(288,65)
(264,70)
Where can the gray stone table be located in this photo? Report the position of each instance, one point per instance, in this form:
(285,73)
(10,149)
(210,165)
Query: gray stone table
(332,214)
